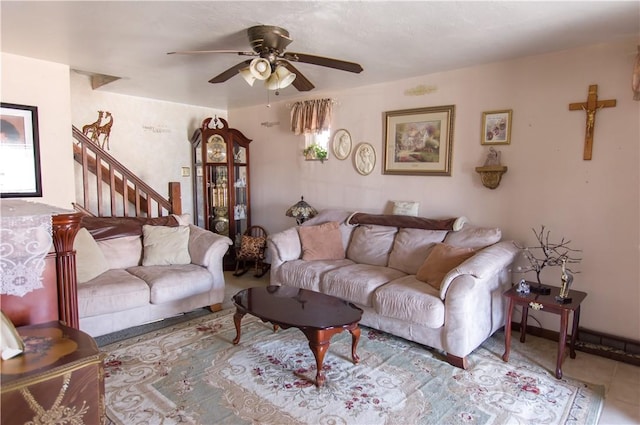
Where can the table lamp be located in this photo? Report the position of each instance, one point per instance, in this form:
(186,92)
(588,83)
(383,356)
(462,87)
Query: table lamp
(301,211)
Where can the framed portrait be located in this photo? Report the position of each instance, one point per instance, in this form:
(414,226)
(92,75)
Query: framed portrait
(341,144)
(364,158)
(419,141)
(19,152)
(496,127)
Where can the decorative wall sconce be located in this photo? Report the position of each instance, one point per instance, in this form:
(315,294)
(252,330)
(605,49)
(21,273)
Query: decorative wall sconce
(491,172)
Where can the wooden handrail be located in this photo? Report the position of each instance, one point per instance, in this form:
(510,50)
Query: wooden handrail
(119,180)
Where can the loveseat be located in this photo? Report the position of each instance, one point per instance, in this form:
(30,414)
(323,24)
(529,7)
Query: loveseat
(413,277)
(132,271)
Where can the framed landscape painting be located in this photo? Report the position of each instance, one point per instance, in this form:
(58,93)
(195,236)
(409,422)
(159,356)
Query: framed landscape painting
(19,152)
(419,141)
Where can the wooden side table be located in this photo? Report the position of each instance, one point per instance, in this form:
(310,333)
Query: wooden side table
(549,304)
(58,379)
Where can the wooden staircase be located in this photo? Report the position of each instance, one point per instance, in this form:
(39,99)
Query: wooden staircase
(110,189)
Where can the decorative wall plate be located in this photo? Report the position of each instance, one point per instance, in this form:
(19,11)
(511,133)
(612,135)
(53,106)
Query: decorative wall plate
(341,144)
(364,158)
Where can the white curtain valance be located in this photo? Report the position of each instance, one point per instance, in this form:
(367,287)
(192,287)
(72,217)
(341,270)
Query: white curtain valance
(311,116)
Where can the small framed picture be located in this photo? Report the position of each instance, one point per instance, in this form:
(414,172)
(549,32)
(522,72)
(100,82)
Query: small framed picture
(496,127)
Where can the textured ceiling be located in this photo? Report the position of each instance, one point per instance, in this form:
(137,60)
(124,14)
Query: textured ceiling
(392,40)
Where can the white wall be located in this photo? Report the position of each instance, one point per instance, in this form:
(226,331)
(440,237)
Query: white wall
(594,203)
(149,137)
(33,82)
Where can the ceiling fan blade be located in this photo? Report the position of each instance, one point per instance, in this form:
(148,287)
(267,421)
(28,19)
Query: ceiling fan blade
(221,78)
(198,52)
(324,61)
(301,82)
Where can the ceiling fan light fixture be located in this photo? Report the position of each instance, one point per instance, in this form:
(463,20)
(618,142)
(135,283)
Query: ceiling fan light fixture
(280,79)
(260,68)
(247,75)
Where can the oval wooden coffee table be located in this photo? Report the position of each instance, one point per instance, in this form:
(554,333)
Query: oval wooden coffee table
(317,315)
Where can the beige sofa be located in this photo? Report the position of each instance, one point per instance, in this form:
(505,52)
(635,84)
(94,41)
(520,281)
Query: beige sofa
(383,266)
(133,271)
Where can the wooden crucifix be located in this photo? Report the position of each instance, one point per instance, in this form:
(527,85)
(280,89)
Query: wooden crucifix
(591,106)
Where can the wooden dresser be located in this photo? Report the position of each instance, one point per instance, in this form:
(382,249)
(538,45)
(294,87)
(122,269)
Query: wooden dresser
(58,379)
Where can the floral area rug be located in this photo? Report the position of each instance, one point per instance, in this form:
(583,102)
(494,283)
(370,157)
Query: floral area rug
(192,373)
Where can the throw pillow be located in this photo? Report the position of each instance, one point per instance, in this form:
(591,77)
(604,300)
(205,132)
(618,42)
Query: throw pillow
(90,261)
(442,259)
(406,208)
(321,242)
(252,248)
(164,245)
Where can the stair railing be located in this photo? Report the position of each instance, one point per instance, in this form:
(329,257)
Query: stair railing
(125,192)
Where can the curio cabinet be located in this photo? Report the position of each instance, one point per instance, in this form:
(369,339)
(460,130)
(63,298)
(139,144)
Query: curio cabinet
(221,181)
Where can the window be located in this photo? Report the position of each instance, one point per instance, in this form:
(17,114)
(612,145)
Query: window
(316,145)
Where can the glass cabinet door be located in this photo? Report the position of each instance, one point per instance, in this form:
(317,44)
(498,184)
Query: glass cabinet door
(240,187)
(218,199)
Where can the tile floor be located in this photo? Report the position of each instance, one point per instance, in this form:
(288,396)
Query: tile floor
(621,380)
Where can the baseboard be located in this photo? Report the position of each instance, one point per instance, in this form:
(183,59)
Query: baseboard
(594,342)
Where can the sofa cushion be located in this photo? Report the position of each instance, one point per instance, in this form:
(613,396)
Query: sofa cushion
(114,290)
(442,259)
(174,282)
(306,274)
(473,237)
(371,244)
(90,261)
(410,300)
(164,245)
(357,282)
(122,252)
(321,242)
(411,247)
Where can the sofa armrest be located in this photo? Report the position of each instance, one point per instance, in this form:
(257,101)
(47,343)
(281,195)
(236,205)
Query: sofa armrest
(207,248)
(484,264)
(284,246)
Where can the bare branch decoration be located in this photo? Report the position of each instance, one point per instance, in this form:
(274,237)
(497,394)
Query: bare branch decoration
(548,254)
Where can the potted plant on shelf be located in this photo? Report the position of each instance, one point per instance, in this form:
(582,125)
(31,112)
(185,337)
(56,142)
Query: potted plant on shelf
(315,152)
(547,253)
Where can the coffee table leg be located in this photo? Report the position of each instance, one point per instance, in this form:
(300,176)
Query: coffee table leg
(237,318)
(355,337)
(319,344)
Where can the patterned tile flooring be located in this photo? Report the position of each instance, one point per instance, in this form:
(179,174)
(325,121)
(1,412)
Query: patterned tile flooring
(621,380)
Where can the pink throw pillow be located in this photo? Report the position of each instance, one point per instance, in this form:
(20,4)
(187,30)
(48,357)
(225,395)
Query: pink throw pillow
(321,242)
(442,259)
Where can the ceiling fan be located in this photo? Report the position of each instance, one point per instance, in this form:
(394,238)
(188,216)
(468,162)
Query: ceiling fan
(271,63)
